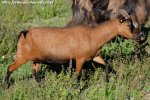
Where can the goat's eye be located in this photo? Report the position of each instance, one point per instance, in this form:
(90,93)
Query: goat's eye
(121,20)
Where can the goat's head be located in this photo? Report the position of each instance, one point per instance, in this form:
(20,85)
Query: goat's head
(129,28)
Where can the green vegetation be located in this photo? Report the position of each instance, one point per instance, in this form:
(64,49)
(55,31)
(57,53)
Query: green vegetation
(133,74)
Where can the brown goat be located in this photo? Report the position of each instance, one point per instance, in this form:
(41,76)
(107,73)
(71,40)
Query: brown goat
(47,45)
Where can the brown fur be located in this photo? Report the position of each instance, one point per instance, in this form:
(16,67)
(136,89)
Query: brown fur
(103,10)
(47,45)
(82,13)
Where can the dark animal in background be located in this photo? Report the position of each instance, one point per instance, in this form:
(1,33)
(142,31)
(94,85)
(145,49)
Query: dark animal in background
(91,12)
(79,42)
(82,13)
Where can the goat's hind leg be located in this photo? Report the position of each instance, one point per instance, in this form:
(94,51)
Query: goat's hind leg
(17,63)
(99,60)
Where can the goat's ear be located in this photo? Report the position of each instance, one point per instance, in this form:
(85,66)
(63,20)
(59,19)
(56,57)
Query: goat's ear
(121,20)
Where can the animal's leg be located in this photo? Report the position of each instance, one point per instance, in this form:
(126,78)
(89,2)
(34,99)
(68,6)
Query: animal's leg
(99,60)
(35,71)
(79,64)
(17,63)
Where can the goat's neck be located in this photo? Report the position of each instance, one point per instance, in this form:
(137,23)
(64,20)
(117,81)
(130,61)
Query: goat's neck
(104,33)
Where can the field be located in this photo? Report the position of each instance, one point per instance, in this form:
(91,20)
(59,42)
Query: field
(130,60)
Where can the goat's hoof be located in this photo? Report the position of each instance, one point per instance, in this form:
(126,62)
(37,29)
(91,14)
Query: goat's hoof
(106,79)
(6,85)
(38,80)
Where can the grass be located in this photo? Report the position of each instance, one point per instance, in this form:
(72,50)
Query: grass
(133,74)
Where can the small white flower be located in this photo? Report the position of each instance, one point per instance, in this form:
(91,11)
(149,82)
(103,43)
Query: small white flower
(3,57)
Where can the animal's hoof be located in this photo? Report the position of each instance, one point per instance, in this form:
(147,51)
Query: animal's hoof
(6,85)
(106,78)
(38,79)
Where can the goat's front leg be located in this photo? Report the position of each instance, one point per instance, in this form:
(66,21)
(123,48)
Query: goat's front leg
(79,64)
(35,71)
(99,60)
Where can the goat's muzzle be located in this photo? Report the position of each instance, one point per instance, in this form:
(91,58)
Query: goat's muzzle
(140,37)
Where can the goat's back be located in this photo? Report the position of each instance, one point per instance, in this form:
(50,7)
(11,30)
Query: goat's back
(58,43)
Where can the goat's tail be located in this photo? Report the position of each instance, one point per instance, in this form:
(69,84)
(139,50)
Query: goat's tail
(24,33)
